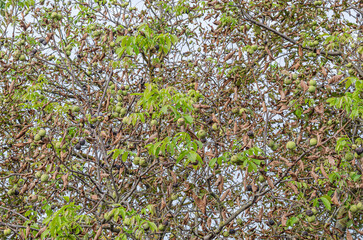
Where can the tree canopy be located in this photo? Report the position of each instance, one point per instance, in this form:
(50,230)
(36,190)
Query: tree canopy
(181,119)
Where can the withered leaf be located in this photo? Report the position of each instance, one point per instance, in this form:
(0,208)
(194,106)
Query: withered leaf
(300,51)
(293,187)
(260,214)
(335,199)
(270,182)
(335,79)
(98,233)
(313,174)
(225,194)
(186,218)
(229,55)
(304,86)
(323,171)
(209,222)
(163,204)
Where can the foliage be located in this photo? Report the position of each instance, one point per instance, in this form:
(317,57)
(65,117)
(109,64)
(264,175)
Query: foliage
(181,119)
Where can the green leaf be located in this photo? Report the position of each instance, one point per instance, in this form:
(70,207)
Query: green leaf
(326,203)
(173,38)
(116,153)
(151,209)
(45,234)
(252,167)
(129,50)
(124,156)
(156,148)
(348,83)
(168,44)
(212,162)
(188,118)
(181,156)
(152,226)
(192,156)
(292,221)
(298,112)
(120,51)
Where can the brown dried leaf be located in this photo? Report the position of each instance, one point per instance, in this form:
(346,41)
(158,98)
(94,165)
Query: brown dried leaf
(22,132)
(269,53)
(323,171)
(210,154)
(104,175)
(282,93)
(214,118)
(301,165)
(239,53)
(285,160)
(65,181)
(20,144)
(229,55)
(163,204)
(304,86)
(313,195)
(334,199)
(238,202)
(293,176)
(23,189)
(331,160)
(224,195)
(32,185)
(220,186)
(274,163)
(296,66)
(335,79)
(293,187)
(300,51)
(319,109)
(55,174)
(27,231)
(94,197)
(204,204)
(63,155)
(98,234)
(208,17)
(218,180)
(197,200)
(216,22)
(224,215)
(254,187)
(173,175)
(186,218)
(235,97)
(283,107)
(201,106)
(349,236)
(270,183)
(209,222)
(260,214)
(23,166)
(283,220)
(11,86)
(41,231)
(313,174)
(323,71)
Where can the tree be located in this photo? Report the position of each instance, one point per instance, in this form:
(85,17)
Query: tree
(181,119)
